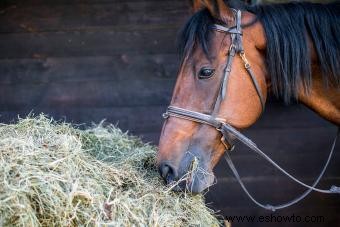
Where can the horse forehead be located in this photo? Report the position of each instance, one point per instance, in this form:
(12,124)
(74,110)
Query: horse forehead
(218,45)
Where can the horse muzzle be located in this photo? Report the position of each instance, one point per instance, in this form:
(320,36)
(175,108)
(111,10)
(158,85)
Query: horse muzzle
(193,174)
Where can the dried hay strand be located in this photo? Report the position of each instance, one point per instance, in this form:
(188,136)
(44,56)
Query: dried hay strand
(52,174)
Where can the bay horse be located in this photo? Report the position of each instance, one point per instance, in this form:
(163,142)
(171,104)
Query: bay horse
(233,56)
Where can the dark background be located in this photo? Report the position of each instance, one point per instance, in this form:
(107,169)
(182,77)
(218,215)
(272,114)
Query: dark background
(86,60)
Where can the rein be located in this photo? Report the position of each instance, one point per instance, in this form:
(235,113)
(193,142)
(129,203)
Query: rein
(227,130)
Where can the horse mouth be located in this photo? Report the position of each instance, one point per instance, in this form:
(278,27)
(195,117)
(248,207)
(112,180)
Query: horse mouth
(196,180)
(194,185)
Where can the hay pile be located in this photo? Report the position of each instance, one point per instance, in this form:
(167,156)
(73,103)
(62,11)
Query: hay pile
(52,174)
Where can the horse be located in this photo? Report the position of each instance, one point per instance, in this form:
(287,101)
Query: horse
(233,56)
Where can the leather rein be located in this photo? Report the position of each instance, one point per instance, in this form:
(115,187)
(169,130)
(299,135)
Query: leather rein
(229,131)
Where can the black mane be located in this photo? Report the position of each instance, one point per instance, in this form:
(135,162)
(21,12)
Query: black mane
(287,28)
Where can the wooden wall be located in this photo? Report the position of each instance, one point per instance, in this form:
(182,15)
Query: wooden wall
(299,141)
(86,60)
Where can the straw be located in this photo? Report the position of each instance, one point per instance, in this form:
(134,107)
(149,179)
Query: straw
(53,174)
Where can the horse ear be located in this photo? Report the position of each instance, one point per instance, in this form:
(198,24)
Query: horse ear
(217,8)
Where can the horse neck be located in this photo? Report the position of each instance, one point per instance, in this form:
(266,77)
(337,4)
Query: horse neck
(324,100)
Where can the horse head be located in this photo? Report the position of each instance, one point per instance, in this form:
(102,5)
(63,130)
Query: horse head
(214,80)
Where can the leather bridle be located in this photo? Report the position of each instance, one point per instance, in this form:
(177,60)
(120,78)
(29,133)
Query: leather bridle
(229,131)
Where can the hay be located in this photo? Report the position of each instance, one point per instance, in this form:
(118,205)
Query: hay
(52,174)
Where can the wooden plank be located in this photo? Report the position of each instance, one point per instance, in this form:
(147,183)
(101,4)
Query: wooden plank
(84,94)
(279,140)
(280,115)
(87,43)
(138,120)
(304,163)
(79,69)
(65,17)
(63,2)
(144,122)
(269,190)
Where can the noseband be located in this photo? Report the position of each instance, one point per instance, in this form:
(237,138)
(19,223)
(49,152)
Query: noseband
(229,131)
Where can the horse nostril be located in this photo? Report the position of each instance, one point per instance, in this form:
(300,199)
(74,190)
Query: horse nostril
(167,172)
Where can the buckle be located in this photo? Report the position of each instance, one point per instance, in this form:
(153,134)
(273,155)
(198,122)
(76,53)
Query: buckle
(165,115)
(244,59)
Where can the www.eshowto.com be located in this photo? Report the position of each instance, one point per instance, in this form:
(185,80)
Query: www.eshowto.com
(275,219)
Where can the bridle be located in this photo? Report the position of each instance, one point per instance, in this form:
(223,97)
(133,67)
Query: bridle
(229,131)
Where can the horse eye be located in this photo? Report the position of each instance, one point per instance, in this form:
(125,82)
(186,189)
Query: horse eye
(205,73)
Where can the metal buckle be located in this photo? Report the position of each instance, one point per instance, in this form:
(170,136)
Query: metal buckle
(245,60)
(165,115)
